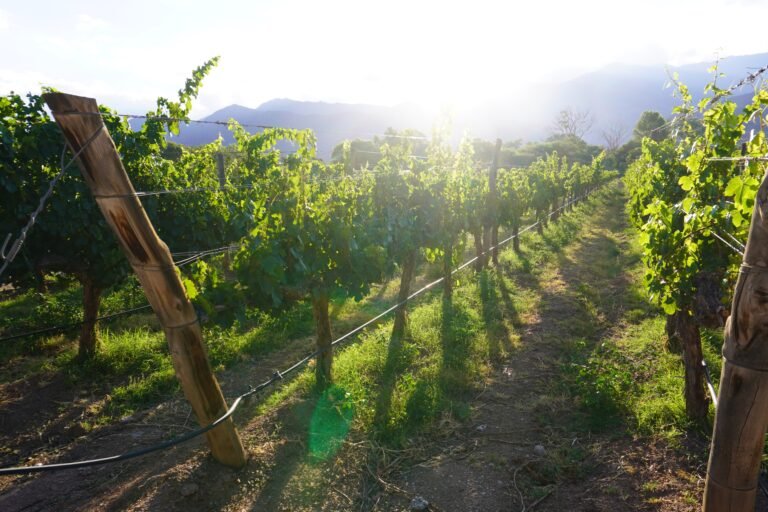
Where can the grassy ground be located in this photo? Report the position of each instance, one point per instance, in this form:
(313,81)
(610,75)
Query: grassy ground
(620,371)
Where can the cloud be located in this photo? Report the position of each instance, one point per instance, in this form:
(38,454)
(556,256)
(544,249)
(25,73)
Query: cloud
(88,23)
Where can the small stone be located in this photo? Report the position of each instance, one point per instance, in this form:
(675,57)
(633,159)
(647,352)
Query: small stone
(539,450)
(188,489)
(481,428)
(419,503)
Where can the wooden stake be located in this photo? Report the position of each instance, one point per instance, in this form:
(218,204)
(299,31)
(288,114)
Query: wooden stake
(742,413)
(221,170)
(490,226)
(323,370)
(150,258)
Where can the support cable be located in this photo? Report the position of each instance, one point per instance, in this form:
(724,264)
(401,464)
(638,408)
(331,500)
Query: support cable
(16,246)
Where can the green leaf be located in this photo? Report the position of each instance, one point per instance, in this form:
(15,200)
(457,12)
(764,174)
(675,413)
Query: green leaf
(190,288)
(669,307)
(737,218)
(734,186)
(686,183)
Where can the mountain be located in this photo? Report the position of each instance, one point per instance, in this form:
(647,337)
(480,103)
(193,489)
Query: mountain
(615,95)
(331,122)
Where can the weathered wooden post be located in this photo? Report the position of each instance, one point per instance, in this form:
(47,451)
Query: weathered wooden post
(100,165)
(742,412)
(220,170)
(491,227)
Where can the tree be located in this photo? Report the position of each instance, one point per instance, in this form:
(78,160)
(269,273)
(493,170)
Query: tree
(651,124)
(613,136)
(571,122)
(570,146)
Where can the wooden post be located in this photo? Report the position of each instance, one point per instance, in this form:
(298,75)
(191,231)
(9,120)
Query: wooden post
(495,203)
(490,226)
(221,172)
(323,370)
(742,412)
(150,258)
(220,169)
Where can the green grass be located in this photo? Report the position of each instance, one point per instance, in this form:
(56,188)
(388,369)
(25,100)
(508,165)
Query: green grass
(623,378)
(132,360)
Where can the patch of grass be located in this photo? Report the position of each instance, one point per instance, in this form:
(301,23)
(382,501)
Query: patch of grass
(625,378)
(630,381)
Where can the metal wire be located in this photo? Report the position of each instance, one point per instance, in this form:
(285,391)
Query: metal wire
(165,119)
(734,240)
(712,392)
(378,153)
(204,254)
(728,244)
(738,159)
(169,119)
(189,257)
(16,247)
(73,325)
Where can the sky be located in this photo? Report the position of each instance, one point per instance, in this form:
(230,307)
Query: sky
(433,53)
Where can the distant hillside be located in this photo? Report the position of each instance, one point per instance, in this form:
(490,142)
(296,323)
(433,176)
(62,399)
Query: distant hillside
(615,95)
(331,122)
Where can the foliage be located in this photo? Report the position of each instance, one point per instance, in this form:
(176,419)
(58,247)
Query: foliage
(570,146)
(681,198)
(32,154)
(652,125)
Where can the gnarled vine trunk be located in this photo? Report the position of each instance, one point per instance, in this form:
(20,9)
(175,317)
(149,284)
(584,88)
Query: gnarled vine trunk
(672,344)
(495,244)
(409,268)
(448,271)
(477,235)
(555,212)
(542,222)
(696,404)
(91,301)
(324,338)
(516,240)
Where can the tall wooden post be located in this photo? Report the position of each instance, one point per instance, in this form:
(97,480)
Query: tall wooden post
(491,227)
(150,258)
(742,411)
(220,169)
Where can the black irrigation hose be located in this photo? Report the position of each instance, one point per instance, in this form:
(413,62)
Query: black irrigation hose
(22,470)
(73,325)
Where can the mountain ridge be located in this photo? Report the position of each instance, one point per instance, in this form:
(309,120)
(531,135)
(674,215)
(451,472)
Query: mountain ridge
(615,95)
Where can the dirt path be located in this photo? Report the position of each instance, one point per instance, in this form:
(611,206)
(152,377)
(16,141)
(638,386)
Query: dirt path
(521,450)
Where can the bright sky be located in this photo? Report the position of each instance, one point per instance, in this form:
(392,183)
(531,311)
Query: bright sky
(127,53)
